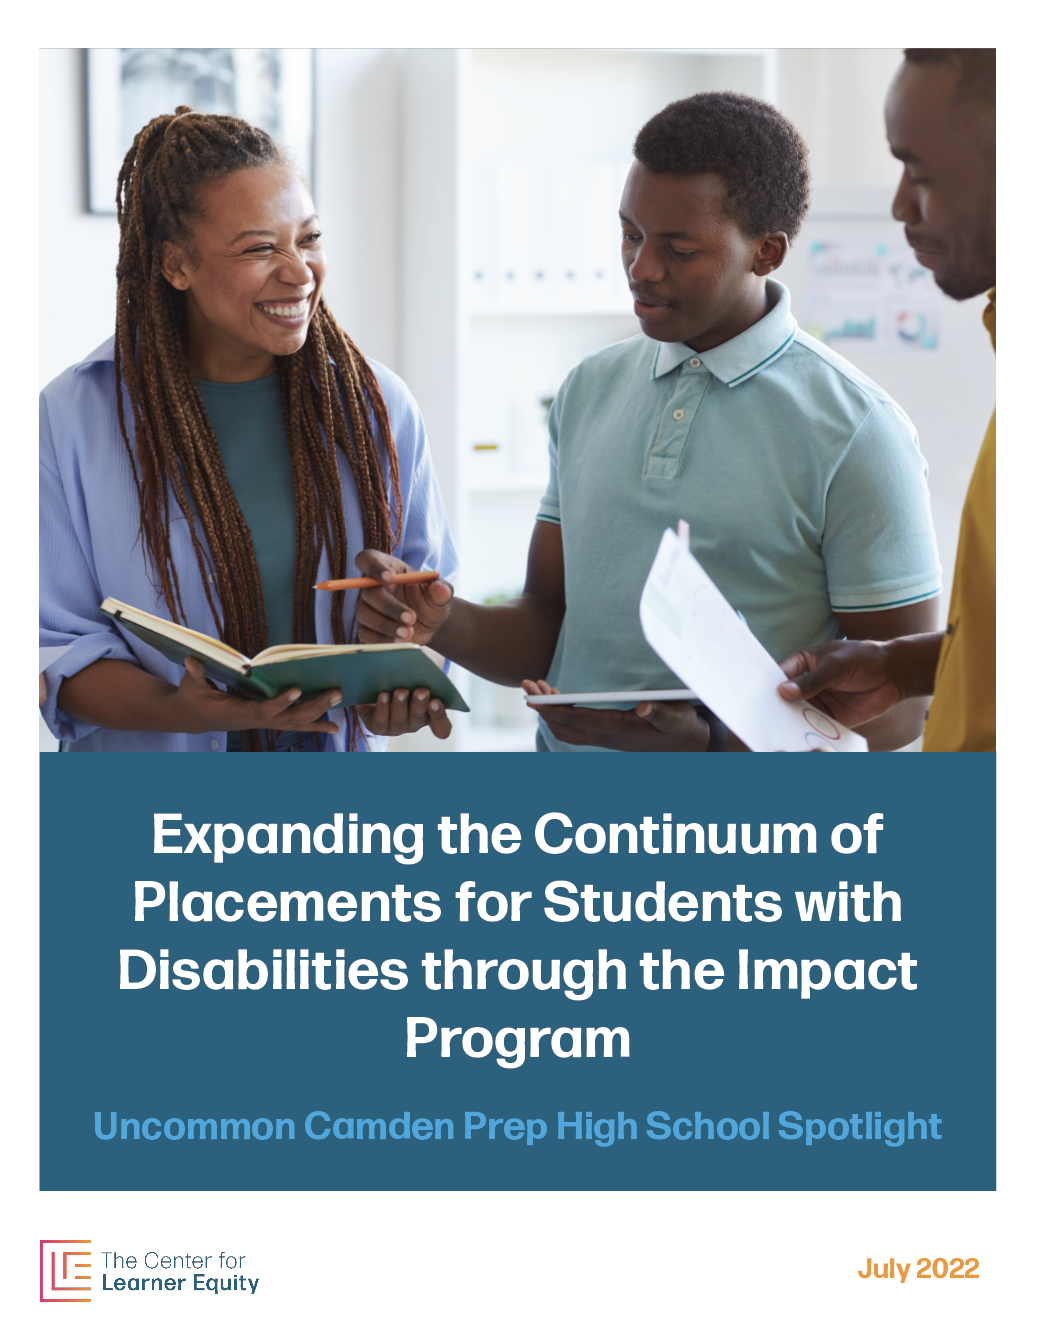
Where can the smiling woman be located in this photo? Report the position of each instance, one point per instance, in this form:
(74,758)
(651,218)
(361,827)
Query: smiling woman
(228,450)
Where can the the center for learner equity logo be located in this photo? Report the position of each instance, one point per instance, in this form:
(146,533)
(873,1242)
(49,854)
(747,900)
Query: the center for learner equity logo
(65,1270)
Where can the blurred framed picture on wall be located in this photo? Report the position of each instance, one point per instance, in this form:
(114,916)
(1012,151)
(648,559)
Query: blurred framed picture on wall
(271,87)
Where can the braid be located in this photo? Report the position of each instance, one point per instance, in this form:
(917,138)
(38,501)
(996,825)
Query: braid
(329,398)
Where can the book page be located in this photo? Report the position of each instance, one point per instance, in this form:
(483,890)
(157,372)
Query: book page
(205,645)
(691,626)
(285,653)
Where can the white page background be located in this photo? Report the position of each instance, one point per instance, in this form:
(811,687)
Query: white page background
(504,1267)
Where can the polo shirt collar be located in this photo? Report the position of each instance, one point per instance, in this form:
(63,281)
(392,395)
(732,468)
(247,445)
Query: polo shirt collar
(738,359)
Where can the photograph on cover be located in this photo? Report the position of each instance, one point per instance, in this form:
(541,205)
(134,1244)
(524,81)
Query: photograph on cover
(518,400)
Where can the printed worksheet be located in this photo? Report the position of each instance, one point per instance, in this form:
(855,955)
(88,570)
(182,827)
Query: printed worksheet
(690,625)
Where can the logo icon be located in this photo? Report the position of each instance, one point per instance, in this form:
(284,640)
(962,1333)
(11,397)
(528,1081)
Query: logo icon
(64,1270)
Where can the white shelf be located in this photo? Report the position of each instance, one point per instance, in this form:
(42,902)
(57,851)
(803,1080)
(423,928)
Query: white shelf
(512,313)
(520,484)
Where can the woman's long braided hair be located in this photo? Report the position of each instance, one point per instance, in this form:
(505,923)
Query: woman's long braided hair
(177,459)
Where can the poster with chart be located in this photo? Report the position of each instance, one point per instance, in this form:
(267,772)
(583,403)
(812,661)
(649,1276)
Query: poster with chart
(869,294)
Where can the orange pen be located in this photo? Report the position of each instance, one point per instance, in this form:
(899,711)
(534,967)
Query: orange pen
(421,576)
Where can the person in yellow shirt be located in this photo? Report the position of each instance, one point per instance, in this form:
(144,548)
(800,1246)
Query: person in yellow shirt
(940,116)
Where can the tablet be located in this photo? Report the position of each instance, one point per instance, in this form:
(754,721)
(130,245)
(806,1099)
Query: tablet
(608,697)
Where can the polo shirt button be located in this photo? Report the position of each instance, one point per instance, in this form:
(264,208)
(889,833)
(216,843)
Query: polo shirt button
(678,415)
(214,743)
(695,363)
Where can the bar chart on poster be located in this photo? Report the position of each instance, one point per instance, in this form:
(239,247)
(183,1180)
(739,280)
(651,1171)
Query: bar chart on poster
(872,292)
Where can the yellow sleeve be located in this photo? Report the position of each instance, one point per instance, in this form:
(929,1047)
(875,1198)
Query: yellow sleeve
(963,715)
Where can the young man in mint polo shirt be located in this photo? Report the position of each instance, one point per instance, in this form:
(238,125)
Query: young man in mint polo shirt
(801,480)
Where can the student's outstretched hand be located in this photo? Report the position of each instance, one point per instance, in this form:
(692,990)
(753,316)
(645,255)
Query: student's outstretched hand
(853,680)
(394,715)
(409,614)
(654,725)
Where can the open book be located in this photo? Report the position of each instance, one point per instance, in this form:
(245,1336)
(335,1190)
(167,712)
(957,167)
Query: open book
(361,671)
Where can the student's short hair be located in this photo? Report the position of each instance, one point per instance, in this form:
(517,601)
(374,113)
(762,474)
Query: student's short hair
(756,151)
(978,65)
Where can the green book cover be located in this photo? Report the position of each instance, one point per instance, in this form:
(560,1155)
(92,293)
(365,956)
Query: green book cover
(361,671)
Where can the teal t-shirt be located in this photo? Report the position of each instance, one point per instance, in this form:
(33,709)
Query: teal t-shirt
(250,428)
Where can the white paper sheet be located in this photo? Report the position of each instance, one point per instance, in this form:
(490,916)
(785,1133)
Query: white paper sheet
(693,629)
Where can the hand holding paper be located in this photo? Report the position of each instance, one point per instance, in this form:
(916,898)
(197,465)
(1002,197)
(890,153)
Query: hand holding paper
(694,630)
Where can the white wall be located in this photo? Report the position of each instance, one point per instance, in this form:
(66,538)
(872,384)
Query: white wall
(432,337)
(836,99)
(77,251)
(357,188)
